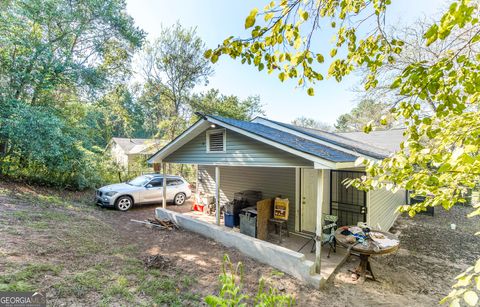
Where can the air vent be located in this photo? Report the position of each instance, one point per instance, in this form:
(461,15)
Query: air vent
(216,141)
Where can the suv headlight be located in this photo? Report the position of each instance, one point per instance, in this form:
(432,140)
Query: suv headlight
(111,193)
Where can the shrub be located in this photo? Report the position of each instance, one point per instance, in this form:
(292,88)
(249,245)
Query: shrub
(231,294)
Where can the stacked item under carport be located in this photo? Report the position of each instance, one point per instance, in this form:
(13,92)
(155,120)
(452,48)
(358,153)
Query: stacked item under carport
(241,200)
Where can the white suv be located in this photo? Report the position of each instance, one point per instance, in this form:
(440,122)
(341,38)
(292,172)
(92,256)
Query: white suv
(145,189)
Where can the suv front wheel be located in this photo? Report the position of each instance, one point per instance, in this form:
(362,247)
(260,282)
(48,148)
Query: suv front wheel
(124,203)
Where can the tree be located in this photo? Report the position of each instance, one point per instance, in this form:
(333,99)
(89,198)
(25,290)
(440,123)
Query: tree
(306,122)
(367,111)
(117,114)
(52,47)
(415,50)
(212,102)
(56,58)
(172,66)
(441,154)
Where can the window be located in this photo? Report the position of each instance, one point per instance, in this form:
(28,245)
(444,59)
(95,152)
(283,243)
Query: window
(173,182)
(156,183)
(216,140)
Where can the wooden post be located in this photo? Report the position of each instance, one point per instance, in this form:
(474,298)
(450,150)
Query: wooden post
(318,228)
(164,186)
(217,194)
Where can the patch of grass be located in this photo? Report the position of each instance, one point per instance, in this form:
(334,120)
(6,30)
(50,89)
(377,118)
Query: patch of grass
(39,219)
(77,201)
(118,289)
(169,290)
(79,284)
(4,192)
(28,277)
(99,265)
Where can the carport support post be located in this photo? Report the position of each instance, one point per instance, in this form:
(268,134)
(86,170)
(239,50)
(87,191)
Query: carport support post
(318,228)
(217,194)
(164,185)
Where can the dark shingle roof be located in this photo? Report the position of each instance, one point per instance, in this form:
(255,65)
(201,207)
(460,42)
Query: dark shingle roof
(289,140)
(344,140)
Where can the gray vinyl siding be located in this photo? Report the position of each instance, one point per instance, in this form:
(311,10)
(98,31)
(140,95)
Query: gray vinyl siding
(271,181)
(240,150)
(382,208)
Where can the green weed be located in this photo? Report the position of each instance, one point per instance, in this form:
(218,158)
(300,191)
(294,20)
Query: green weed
(26,278)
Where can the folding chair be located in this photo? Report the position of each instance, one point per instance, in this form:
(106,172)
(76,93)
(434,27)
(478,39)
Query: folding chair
(328,234)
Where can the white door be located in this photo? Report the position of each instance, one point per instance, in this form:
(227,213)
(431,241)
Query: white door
(308,200)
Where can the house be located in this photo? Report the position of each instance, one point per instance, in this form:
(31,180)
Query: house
(131,154)
(306,166)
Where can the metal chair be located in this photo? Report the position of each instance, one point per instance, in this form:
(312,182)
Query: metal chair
(328,233)
(329,226)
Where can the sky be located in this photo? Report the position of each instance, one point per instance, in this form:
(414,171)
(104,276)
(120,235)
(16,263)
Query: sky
(217,19)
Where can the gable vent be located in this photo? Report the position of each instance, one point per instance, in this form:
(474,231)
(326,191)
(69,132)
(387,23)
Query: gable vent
(216,141)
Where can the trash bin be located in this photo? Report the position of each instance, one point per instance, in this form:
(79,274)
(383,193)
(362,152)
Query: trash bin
(248,223)
(231,220)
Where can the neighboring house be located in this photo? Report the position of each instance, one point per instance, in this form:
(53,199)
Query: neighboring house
(388,139)
(307,166)
(131,154)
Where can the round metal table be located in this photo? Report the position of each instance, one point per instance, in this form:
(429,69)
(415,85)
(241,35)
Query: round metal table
(365,250)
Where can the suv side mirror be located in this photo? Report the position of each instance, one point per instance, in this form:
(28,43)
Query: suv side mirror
(148,186)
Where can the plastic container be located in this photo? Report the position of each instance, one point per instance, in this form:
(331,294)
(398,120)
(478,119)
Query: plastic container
(231,220)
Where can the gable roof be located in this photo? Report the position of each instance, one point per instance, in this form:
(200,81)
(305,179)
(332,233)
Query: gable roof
(354,143)
(289,140)
(138,146)
(322,147)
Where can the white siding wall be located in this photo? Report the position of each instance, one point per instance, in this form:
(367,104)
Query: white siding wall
(272,181)
(382,208)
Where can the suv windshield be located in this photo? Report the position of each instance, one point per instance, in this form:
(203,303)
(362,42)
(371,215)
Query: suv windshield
(140,181)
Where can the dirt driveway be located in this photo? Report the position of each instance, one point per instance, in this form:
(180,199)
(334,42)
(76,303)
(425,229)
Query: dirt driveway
(82,255)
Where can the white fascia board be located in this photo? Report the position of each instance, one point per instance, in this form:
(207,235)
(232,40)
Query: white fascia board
(325,164)
(181,140)
(268,123)
(341,165)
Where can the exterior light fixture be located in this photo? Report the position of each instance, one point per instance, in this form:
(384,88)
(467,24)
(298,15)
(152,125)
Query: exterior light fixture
(212,126)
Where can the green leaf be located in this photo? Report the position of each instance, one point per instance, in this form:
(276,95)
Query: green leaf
(310,92)
(320,58)
(250,20)
(471,298)
(304,15)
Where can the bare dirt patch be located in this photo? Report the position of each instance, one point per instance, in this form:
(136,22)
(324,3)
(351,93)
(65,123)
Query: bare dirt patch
(58,242)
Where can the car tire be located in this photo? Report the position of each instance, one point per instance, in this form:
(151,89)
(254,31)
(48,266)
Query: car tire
(179,199)
(124,203)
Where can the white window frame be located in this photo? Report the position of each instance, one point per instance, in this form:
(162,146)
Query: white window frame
(214,131)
